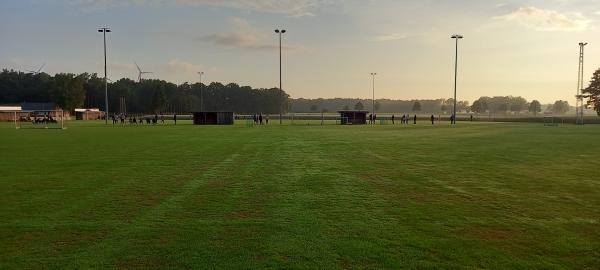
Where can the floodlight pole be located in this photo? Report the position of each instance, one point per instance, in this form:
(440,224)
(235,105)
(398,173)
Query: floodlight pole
(105,30)
(373,100)
(580,106)
(456,37)
(280,32)
(201,94)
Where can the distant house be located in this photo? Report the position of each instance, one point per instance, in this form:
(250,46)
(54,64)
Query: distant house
(89,114)
(7,111)
(353,117)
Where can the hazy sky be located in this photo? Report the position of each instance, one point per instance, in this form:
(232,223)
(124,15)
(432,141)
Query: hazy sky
(526,48)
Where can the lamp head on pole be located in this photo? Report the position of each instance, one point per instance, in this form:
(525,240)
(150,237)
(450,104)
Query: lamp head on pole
(457,36)
(282,31)
(582,44)
(104,30)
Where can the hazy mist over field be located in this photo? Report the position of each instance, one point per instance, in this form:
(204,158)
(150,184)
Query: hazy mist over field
(521,48)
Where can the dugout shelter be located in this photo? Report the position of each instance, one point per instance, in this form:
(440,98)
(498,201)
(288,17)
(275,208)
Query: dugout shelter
(213,118)
(353,117)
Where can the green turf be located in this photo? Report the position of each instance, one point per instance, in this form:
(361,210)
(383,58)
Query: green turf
(473,196)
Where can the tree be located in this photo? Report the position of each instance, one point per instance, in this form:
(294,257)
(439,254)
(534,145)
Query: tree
(463,106)
(447,105)
(502,107)
(592,92)
(416,106)
(444,107)
(517,104)
(535,107)
(359,106)
(159,101)
(377,106)
(148,96)
(67,91)
(314,108)
(480,105)
(560,107)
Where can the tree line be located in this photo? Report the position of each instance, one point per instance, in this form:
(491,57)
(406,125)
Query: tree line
(70,91)
(302,105)
(493,105)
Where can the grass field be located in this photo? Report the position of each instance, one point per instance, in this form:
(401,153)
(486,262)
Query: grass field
(476,195)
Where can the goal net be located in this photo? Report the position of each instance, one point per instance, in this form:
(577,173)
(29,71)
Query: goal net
(42,119)
(552,121)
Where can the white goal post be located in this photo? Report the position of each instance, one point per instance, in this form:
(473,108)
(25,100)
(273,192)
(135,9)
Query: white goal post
(39,119)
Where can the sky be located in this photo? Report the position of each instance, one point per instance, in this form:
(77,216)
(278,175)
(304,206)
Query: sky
(523,48)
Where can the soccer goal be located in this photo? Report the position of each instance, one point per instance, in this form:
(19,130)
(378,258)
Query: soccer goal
(42,119)
(342,121)
(552,121)
(384,122)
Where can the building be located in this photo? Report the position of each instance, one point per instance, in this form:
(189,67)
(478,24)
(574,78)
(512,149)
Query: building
(8,112)
(28,109)
(89,114)
(353,117)
(213,118)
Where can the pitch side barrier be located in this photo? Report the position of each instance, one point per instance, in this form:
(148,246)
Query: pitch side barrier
(303,119)
(539,119)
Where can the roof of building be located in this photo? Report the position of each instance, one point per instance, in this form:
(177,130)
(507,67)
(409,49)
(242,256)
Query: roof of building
(38,106)
(87,110)
(353,111)
(212,112)
(7,107)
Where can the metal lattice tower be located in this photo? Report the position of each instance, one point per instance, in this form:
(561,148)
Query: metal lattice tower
(580,105)
(122,106)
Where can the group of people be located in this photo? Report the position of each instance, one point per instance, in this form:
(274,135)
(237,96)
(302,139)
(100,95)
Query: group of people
(151,120)
(41,119)
(373,118)
(405,119)
(260,119)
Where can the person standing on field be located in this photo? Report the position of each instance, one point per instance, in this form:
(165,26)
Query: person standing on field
(175,118)
(432,119)
(415,120)
(392,119)
(260,118)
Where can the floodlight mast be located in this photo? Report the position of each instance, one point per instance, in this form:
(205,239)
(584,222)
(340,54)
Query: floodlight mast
(105,30)
(580,106)
(456,37)
(373,100)
(201,94)
(280,32)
